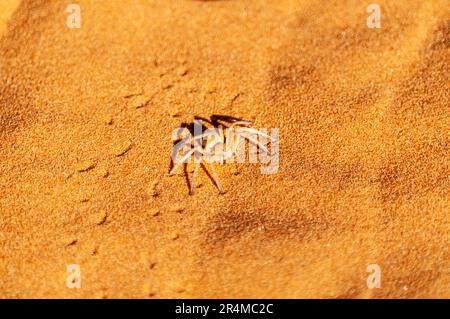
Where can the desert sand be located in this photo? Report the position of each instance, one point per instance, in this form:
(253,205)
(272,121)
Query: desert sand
(86,117)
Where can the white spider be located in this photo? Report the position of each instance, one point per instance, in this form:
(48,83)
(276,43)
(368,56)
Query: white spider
(213,145)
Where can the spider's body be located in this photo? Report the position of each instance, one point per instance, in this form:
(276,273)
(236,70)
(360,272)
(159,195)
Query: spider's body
(213,145)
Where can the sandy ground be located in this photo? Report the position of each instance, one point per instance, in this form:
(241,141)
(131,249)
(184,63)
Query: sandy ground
(363,177)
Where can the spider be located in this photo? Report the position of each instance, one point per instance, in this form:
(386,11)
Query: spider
(212,145)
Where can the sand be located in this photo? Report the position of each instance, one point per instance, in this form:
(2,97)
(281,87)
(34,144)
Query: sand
(86,117)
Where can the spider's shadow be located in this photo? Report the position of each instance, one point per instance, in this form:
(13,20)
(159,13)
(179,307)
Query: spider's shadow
(215,120)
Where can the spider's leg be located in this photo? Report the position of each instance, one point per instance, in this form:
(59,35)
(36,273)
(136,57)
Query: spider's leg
(255,142)
(186,174)
(176,149)
(216,118)
(214,177)
(191,190)
(181,161)
(203,119)
(231,146)
(257,132)
(197,156)
(243,123)
(178,146)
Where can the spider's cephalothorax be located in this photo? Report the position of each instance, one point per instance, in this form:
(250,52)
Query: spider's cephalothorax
(216,144)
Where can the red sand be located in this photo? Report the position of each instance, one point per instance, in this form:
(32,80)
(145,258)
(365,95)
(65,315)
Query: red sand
(363,117)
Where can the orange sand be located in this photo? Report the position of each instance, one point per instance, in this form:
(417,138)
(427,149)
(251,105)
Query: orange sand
(363,116)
